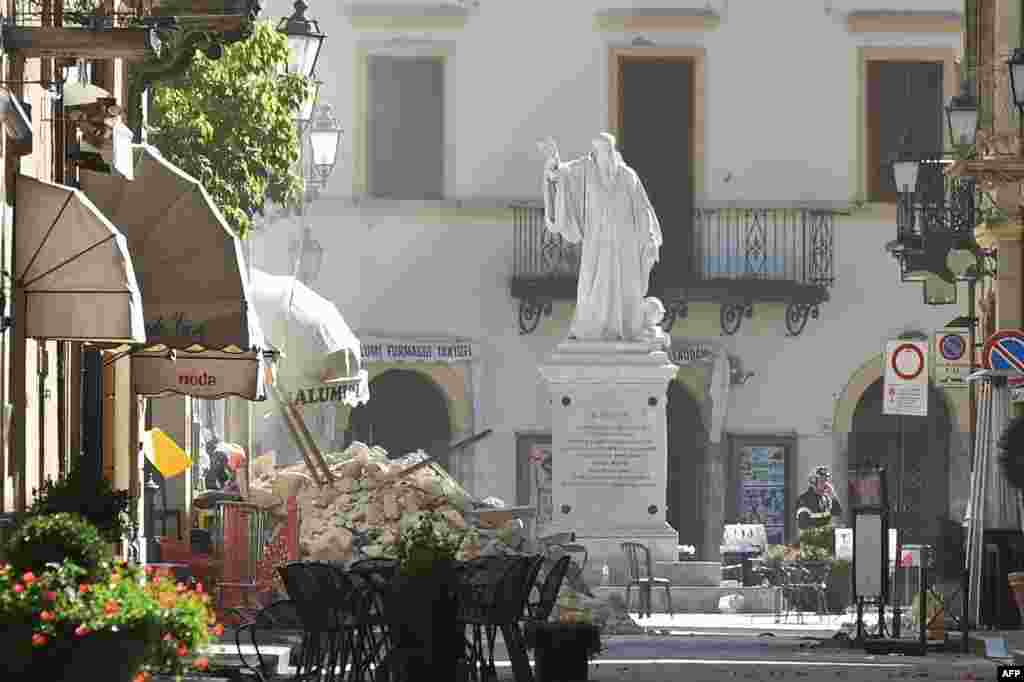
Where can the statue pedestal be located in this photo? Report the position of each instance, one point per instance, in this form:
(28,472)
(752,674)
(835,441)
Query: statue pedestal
(610,449)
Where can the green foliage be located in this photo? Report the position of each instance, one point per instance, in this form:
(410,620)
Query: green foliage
(89,495)
(817,544)
(52,538)
(230,123)
(426,540)
(936,608)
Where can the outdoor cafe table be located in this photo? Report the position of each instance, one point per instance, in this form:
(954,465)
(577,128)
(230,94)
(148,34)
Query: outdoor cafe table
(513,639)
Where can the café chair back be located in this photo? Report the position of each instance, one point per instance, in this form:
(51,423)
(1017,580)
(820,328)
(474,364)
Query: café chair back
(640,574)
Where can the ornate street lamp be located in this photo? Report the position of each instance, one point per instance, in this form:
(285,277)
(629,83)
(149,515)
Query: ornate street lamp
(305,114)
(962,117)
(304,39)
(325,140)
(905,167)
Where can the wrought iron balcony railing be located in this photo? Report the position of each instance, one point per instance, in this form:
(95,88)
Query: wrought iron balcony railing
(739,256)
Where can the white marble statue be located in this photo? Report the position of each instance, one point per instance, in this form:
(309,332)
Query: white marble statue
(600,201)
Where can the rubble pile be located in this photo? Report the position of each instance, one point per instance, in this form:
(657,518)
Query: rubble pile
(370,501)
(366,505)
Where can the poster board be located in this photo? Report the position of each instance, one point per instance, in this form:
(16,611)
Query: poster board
(762,488)
(867,550)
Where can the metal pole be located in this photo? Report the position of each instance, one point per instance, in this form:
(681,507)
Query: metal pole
(898,592)
(965,577)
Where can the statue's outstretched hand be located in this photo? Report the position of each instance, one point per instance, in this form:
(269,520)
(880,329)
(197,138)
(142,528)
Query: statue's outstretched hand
(549,149)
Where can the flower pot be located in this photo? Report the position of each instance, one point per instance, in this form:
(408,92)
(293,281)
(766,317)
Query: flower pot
(422,612)
(937,627)
(562,651)
(113,656)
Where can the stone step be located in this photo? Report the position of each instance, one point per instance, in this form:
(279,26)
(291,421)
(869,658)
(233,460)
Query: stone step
(698,599)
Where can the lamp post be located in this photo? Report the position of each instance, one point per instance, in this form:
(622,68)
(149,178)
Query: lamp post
(324,141)
(935,240)
(324,137)
(304,39)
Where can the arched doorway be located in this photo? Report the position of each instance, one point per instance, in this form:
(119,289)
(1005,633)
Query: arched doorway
(687,449)
(875,439)
(406,412)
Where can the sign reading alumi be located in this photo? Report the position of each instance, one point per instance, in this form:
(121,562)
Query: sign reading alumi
(323,394)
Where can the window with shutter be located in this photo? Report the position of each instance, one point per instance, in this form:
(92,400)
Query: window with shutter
(656,119)
(902,98)
(405,130)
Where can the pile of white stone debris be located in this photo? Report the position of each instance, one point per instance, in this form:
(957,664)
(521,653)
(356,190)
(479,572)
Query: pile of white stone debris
(371,497)
(364,505)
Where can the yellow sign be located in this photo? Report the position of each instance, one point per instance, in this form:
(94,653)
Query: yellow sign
(169,459)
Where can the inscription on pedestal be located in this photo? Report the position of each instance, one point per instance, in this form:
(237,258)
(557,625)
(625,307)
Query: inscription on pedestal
(611,447)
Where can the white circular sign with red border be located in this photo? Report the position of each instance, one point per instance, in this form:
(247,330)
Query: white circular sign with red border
(907,361)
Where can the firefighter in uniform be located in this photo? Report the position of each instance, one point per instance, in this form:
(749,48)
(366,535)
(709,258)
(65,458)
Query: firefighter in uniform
(818,505)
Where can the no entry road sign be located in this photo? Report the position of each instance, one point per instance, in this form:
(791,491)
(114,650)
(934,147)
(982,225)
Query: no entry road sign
(906,378)
(1004,350)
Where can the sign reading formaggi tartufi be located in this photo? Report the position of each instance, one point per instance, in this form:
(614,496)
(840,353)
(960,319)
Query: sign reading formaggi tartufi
(418,350)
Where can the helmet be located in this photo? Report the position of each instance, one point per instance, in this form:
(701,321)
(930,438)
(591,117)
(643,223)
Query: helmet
(821,472)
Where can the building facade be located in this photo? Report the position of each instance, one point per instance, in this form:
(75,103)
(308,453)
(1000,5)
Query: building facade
(762,132)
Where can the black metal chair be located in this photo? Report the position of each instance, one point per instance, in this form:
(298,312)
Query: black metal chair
(540,610)
(523,596)
(640,574)
(342,600)
(278,621)
(314,614)
(372,579)
(807,583)
(492,596)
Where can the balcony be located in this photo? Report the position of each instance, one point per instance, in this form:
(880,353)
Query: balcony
(740,256)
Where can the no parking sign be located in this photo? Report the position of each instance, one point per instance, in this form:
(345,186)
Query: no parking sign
(906,378)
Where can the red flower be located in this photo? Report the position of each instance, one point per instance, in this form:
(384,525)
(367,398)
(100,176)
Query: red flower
(150,570)
(199,587)
(180,587)
(141,677)
(39,639)
(201,663)
(82,631)
(46,616)
(111,607)
(218,630)
(182,651)
(18,588)
(83,588)
(29,578)
(167,637)
(51,596)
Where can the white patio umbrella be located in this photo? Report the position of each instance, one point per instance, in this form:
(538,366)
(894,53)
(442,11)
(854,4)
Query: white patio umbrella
(318,346)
